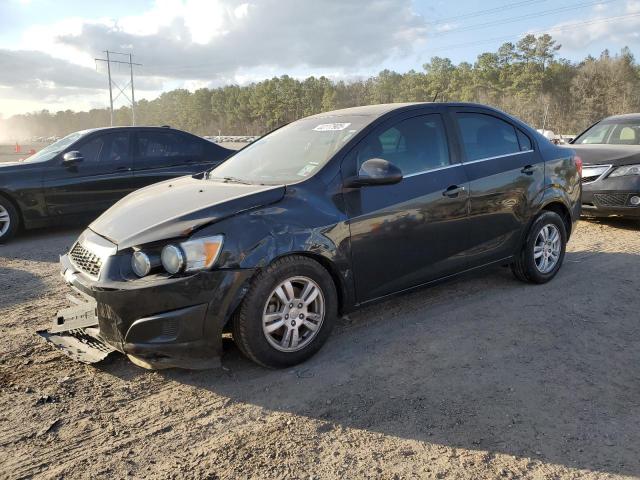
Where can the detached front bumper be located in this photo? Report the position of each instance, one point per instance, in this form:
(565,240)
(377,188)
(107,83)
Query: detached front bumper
(608,197)
(157,321)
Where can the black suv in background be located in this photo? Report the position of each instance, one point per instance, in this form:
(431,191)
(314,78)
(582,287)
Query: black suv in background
(81,175)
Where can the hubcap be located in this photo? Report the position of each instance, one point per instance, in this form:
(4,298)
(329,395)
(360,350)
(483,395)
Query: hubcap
(293,314)
(5,221)
(547,248)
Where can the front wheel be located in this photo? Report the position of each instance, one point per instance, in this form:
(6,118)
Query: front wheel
(287,314)
(9,220)
(543,252)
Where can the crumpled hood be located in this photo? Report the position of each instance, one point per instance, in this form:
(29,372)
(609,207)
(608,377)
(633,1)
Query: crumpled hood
(175,207)
(607,154)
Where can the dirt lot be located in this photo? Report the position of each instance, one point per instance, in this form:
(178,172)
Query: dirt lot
(481,378)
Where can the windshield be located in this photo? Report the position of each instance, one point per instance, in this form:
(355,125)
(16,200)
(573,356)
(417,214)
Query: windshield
(50,151)
(291,153)
(612,133)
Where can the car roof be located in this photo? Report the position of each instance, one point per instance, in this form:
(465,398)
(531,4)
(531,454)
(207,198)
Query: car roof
(626,116)
(129,127)
(383,108)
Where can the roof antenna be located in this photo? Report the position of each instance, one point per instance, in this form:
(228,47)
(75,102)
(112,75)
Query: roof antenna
(435,97)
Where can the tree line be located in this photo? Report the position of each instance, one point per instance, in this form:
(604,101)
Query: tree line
(527,79)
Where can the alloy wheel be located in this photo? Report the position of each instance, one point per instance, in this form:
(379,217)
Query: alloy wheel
(293,314)
(5,221)
(547,248)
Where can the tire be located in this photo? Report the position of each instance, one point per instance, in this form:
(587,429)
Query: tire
(9,220)
(256,324)
(526,266)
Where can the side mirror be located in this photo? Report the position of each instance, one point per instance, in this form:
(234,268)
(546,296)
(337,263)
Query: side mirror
(73,157)
(375,171)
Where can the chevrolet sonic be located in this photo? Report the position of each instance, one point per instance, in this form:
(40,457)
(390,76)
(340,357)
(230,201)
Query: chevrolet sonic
(321,216)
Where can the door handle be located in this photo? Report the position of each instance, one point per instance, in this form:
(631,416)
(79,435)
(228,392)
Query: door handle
(528,170)
(453,191)
(123,169)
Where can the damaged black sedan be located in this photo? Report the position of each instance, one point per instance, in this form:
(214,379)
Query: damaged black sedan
(326,214)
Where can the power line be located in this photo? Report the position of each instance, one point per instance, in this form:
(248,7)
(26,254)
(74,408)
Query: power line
(112,82)
(538,32)
(542,13)
(488,11)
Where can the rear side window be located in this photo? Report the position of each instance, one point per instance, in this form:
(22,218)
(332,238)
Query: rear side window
(414,145)
(485,136)
(525,141)
(166,144)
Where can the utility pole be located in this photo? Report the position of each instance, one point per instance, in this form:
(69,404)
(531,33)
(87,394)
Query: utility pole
(112,82)
(110,92)
(133,95)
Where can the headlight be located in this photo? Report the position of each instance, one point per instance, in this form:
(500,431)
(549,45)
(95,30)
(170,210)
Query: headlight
(140,263)
(626,170)
(172,259)
(192,255)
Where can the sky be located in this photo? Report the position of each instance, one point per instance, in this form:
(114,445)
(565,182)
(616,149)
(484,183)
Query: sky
(48,47)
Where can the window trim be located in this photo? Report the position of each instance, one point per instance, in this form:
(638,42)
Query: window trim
(432,170)
(485,159)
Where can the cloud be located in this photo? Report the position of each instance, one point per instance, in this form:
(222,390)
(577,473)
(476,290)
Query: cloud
(209,40)
(36,75)
(596,28)
(192,43)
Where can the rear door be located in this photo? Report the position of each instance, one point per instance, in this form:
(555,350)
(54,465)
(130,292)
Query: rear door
(89,187)
(506,177)
(415,231)
(162,154)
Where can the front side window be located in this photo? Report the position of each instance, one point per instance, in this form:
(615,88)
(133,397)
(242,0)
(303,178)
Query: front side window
(486,136)
(414,145)
(90,150)
(292,153)
(116,148)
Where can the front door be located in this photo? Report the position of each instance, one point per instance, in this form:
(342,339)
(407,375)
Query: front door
(415,231)
(89,187)
(506,176)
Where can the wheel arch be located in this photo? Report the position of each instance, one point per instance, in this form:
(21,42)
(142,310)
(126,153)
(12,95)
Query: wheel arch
(344,302)
(563,211)
(331,268)
(7,196)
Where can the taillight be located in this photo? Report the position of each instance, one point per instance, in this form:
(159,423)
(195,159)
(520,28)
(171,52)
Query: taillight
(578,161)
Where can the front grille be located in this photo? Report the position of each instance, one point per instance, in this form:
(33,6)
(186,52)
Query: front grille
(85,260)
(591,178)
(610,199)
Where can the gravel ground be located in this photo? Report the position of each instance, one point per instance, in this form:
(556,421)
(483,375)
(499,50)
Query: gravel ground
(483,377)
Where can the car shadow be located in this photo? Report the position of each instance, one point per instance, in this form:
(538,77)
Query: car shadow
(483,363)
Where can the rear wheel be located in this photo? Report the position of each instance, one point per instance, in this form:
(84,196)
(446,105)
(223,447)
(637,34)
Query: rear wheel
(287,314)
(543,252)
(9,220)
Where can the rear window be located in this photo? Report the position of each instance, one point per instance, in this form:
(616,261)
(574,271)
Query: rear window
(486,136)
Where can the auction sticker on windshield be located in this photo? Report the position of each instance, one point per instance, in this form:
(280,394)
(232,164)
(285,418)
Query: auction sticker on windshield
(330,127)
